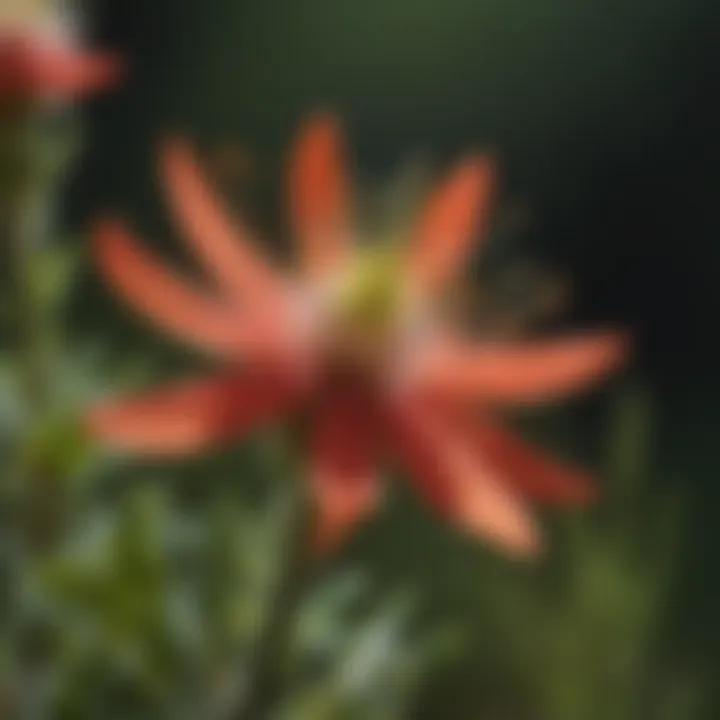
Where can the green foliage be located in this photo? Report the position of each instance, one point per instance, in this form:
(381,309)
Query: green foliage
(171,605)
(126,594)
(589,632)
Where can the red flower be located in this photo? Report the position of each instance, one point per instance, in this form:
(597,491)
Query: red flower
(356,341)
(33,67)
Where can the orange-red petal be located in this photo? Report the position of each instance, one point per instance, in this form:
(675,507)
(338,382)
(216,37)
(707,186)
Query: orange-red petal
(192,416)
(225,248)
(528,470)
(163,297)
(455,480)
(524,373)
(344,479)
(30,69)
(319,195)
(454,217)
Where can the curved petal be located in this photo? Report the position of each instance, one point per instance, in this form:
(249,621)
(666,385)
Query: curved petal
(163,297)
(30,69)
(319,195)
(344,481)
(193,416)
(225,248)
(455,481)
(529,471)
(455,214)
(524,373)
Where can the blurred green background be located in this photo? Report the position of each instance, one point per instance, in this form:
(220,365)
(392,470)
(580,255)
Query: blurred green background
(604,119)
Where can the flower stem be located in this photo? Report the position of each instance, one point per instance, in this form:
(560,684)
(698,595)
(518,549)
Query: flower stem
(29,185)
(24,196)
(268,675)
(29,311)
(28,203)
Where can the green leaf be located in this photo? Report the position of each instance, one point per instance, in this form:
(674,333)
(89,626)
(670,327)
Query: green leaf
(57,450)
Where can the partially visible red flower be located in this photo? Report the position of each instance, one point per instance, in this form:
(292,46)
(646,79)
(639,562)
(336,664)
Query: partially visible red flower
(33,66)
(355,340)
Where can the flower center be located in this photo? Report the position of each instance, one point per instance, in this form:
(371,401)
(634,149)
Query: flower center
(369,294)
(368,306)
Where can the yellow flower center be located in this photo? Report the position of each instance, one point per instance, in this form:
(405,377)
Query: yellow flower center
(369,302)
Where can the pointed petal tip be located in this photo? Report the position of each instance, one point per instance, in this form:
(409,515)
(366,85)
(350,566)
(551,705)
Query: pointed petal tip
(116,66)
(520,539)
(174,155)
(105,70)
(106,225)
(623,342)
(321,123)
(530,550)
(480,175)
(97,424)
(481,167)
(106,233)
(476,172)
(111,239)
(320,137)
(172,146)
(526,546)
(614,348)
(329,534)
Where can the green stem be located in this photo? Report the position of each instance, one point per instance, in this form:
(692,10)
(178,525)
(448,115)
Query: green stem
(27,191)
(28,184)
(268,676)
(22,200)
(30,320)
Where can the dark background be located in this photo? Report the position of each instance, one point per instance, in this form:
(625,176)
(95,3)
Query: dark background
(604,117)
